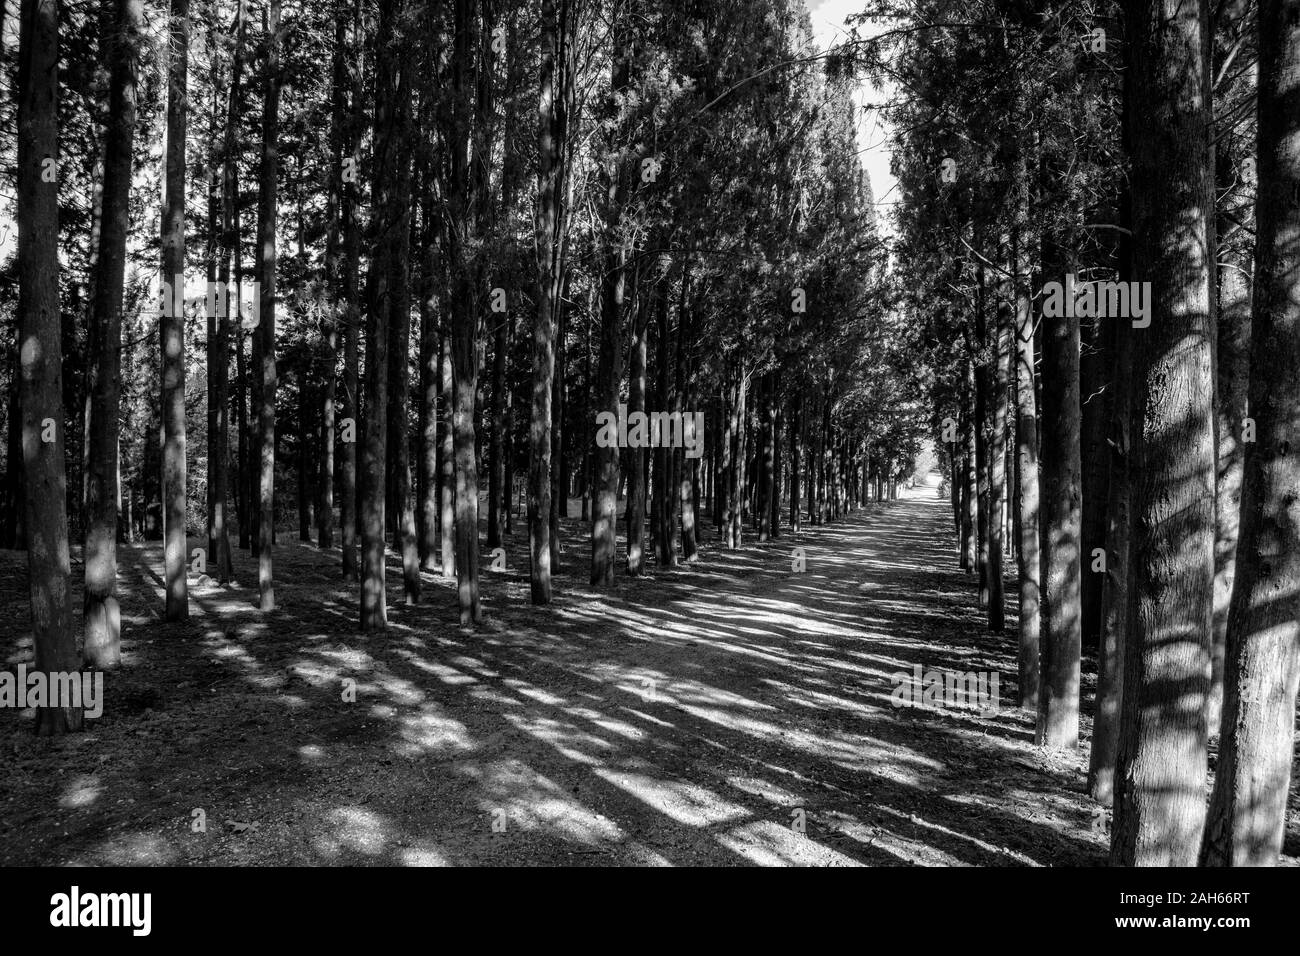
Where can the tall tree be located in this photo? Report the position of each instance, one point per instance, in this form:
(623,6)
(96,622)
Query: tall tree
(102,645)
(40,349)
(351,306)
(266,219)
(555,90)
(389,221)
(466,296)
(1247,815)
(1028,623)
(613,288)
(172,325)
(1160,772)
(1061,529)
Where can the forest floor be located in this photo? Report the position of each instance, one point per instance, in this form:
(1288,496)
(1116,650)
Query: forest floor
(731,712)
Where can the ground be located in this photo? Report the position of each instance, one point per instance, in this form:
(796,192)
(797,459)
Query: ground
(735,711)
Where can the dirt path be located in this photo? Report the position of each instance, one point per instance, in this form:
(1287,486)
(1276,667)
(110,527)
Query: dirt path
(734,712)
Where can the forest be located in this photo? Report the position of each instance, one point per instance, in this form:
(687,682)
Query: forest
(522,432)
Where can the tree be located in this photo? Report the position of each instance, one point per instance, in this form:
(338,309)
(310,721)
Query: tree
(41,351)
(613,290)
(266,219)
(389,229)
(173,315)
(1247,813)
(1029,565)
(102,645)
(553,106)
(1160,772)
(1061,529)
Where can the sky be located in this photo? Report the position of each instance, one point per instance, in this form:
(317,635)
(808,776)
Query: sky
(873,134)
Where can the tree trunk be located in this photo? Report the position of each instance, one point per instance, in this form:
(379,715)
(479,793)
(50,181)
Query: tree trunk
(102,647)
(1115,587)
(41,350)
(1001,385)
(979,424)
(1060,531)
(446,456)
(173,318)
(559,476)
(613,286)
(399,364)
(636,454)
(549,226)
(351,314)
(266,328)
(333,272)
(1095,371)
(1233,369)
(665,553)
(796,461)
(464,313)
(305,450)
(1247,816)
(427,476)
(1028,624)
(391,229)
(1159,800)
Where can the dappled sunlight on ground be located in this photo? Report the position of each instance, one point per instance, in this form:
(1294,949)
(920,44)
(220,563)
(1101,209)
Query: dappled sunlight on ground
(734,711)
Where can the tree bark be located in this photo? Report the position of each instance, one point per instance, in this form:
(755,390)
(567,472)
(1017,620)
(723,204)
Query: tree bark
(172,326)
(1160,772)
(41,356)
(1001,382)
(266,221)
(549,225)
(102,646)
(1028,624)
(1061,534)
(351,312)
(613,283)
(1247,815)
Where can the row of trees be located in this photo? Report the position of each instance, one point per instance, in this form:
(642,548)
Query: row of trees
(1142,469)
(483,224)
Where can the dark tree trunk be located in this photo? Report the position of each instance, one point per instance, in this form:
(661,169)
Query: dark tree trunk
(1233,370)
(1061,534)
(390,232)
(1095,374)
(1001,386)
(463,195)
(173,319)
(399,365)
(351,316)
(266,328)
(446,456)
(1028,624)
(427,476)
(665,554)
(41,349)
(1247,816)
(1159,799)
(635,458)
(550,227)
(1115,589)
(102,646)
(330,333)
